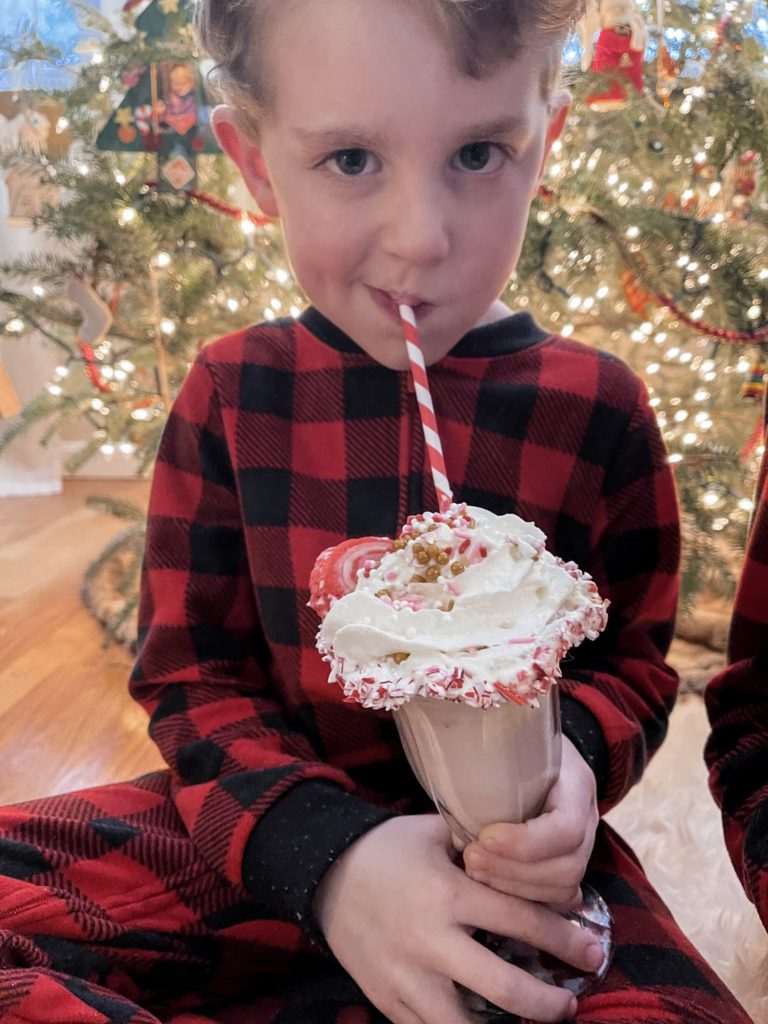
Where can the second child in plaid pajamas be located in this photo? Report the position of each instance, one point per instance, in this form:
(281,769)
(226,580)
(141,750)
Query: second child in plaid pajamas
(737,702)
(287,868)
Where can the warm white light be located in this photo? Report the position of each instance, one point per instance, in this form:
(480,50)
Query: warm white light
(675,457)
(282,276)
(107,449)
(746,504)
(633,231)
(38,290)
(295,312)
(127,448)
(96,404)
(54,389)
(140,414)
(567,330)
(167,326)
(652,368)
(602,291)
(269,314)
(247,226)
(126,365)
(120,177)
(97,58)
(15,325)
(126,215)
(276,304)
(681,416)
(163,259)
(754,312)
(690,438)
(710,498)
(103,84)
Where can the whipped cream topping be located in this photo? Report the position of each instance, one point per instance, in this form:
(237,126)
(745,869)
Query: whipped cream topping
(468,607)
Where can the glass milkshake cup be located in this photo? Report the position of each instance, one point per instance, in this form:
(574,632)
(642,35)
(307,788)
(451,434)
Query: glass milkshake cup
(486,765)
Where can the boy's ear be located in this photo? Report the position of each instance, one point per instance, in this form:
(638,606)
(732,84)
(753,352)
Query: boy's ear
(561,106)
(242,149)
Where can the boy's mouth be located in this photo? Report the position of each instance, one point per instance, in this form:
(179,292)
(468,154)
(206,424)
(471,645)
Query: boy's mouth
(390,302)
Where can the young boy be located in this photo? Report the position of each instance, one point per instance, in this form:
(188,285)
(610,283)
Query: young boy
(737,751)
(288,867)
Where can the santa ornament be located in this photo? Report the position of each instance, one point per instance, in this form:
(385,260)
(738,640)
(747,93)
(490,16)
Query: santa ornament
(30,129)
(617,53)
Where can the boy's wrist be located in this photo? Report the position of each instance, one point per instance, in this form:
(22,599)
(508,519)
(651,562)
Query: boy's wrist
(297,841)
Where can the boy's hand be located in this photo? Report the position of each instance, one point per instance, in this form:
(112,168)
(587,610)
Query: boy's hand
(543,859)
(398,914)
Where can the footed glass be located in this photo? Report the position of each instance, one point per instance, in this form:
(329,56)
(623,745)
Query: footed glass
(498,764)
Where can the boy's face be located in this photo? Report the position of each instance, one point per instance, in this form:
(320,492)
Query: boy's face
(397,177)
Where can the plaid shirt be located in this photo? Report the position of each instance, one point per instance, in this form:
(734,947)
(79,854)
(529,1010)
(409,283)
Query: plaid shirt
(737,702)
(287,438)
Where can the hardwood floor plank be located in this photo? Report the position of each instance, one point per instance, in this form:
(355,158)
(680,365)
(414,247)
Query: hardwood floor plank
(66,719)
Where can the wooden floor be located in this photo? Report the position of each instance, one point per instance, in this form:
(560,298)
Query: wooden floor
(66,720)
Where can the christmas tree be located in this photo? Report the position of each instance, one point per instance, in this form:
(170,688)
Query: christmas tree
(648,238)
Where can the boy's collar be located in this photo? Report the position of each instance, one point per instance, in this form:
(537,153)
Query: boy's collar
(511,334)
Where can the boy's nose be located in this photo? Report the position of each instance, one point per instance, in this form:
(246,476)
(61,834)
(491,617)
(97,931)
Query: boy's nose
(416,228)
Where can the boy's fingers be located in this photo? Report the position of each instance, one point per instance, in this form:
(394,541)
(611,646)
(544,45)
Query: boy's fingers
(563,874)
(506,986)
(543,838)
(560,898)
(537,925)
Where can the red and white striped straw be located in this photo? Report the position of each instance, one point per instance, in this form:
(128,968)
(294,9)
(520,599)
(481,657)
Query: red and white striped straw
(426,408)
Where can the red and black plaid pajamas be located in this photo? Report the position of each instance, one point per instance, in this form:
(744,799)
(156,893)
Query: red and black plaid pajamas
(737,702)
(186,895)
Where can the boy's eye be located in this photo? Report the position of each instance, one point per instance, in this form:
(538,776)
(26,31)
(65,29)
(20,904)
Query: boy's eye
(479,156)
(351,162)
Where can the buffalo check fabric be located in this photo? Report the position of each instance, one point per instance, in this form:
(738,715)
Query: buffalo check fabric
(737,703)
(186,896)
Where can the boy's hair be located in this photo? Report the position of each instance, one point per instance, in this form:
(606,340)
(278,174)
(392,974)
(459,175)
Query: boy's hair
(480,33)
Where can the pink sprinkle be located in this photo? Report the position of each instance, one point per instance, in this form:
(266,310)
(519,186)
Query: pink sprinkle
(452,588)
(522,640)
(463,534)
(391,576)
(463,546)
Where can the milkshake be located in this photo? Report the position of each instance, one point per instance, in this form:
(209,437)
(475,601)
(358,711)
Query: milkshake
(459,627)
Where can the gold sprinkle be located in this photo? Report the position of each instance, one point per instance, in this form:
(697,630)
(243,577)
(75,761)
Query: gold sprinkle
(443,558)
(418,548)
(433,550)
(399,545)
(449,607)
(383,593)
(422,558)
(432,573)
(457,568)
(400,657)
(417,579)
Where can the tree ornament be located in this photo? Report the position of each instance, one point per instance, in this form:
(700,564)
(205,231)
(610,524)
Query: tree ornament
(97,319)
(165,110)
(30,129)
(638,297)
(666,74)
(618,51)
(741,179)
(753,387)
